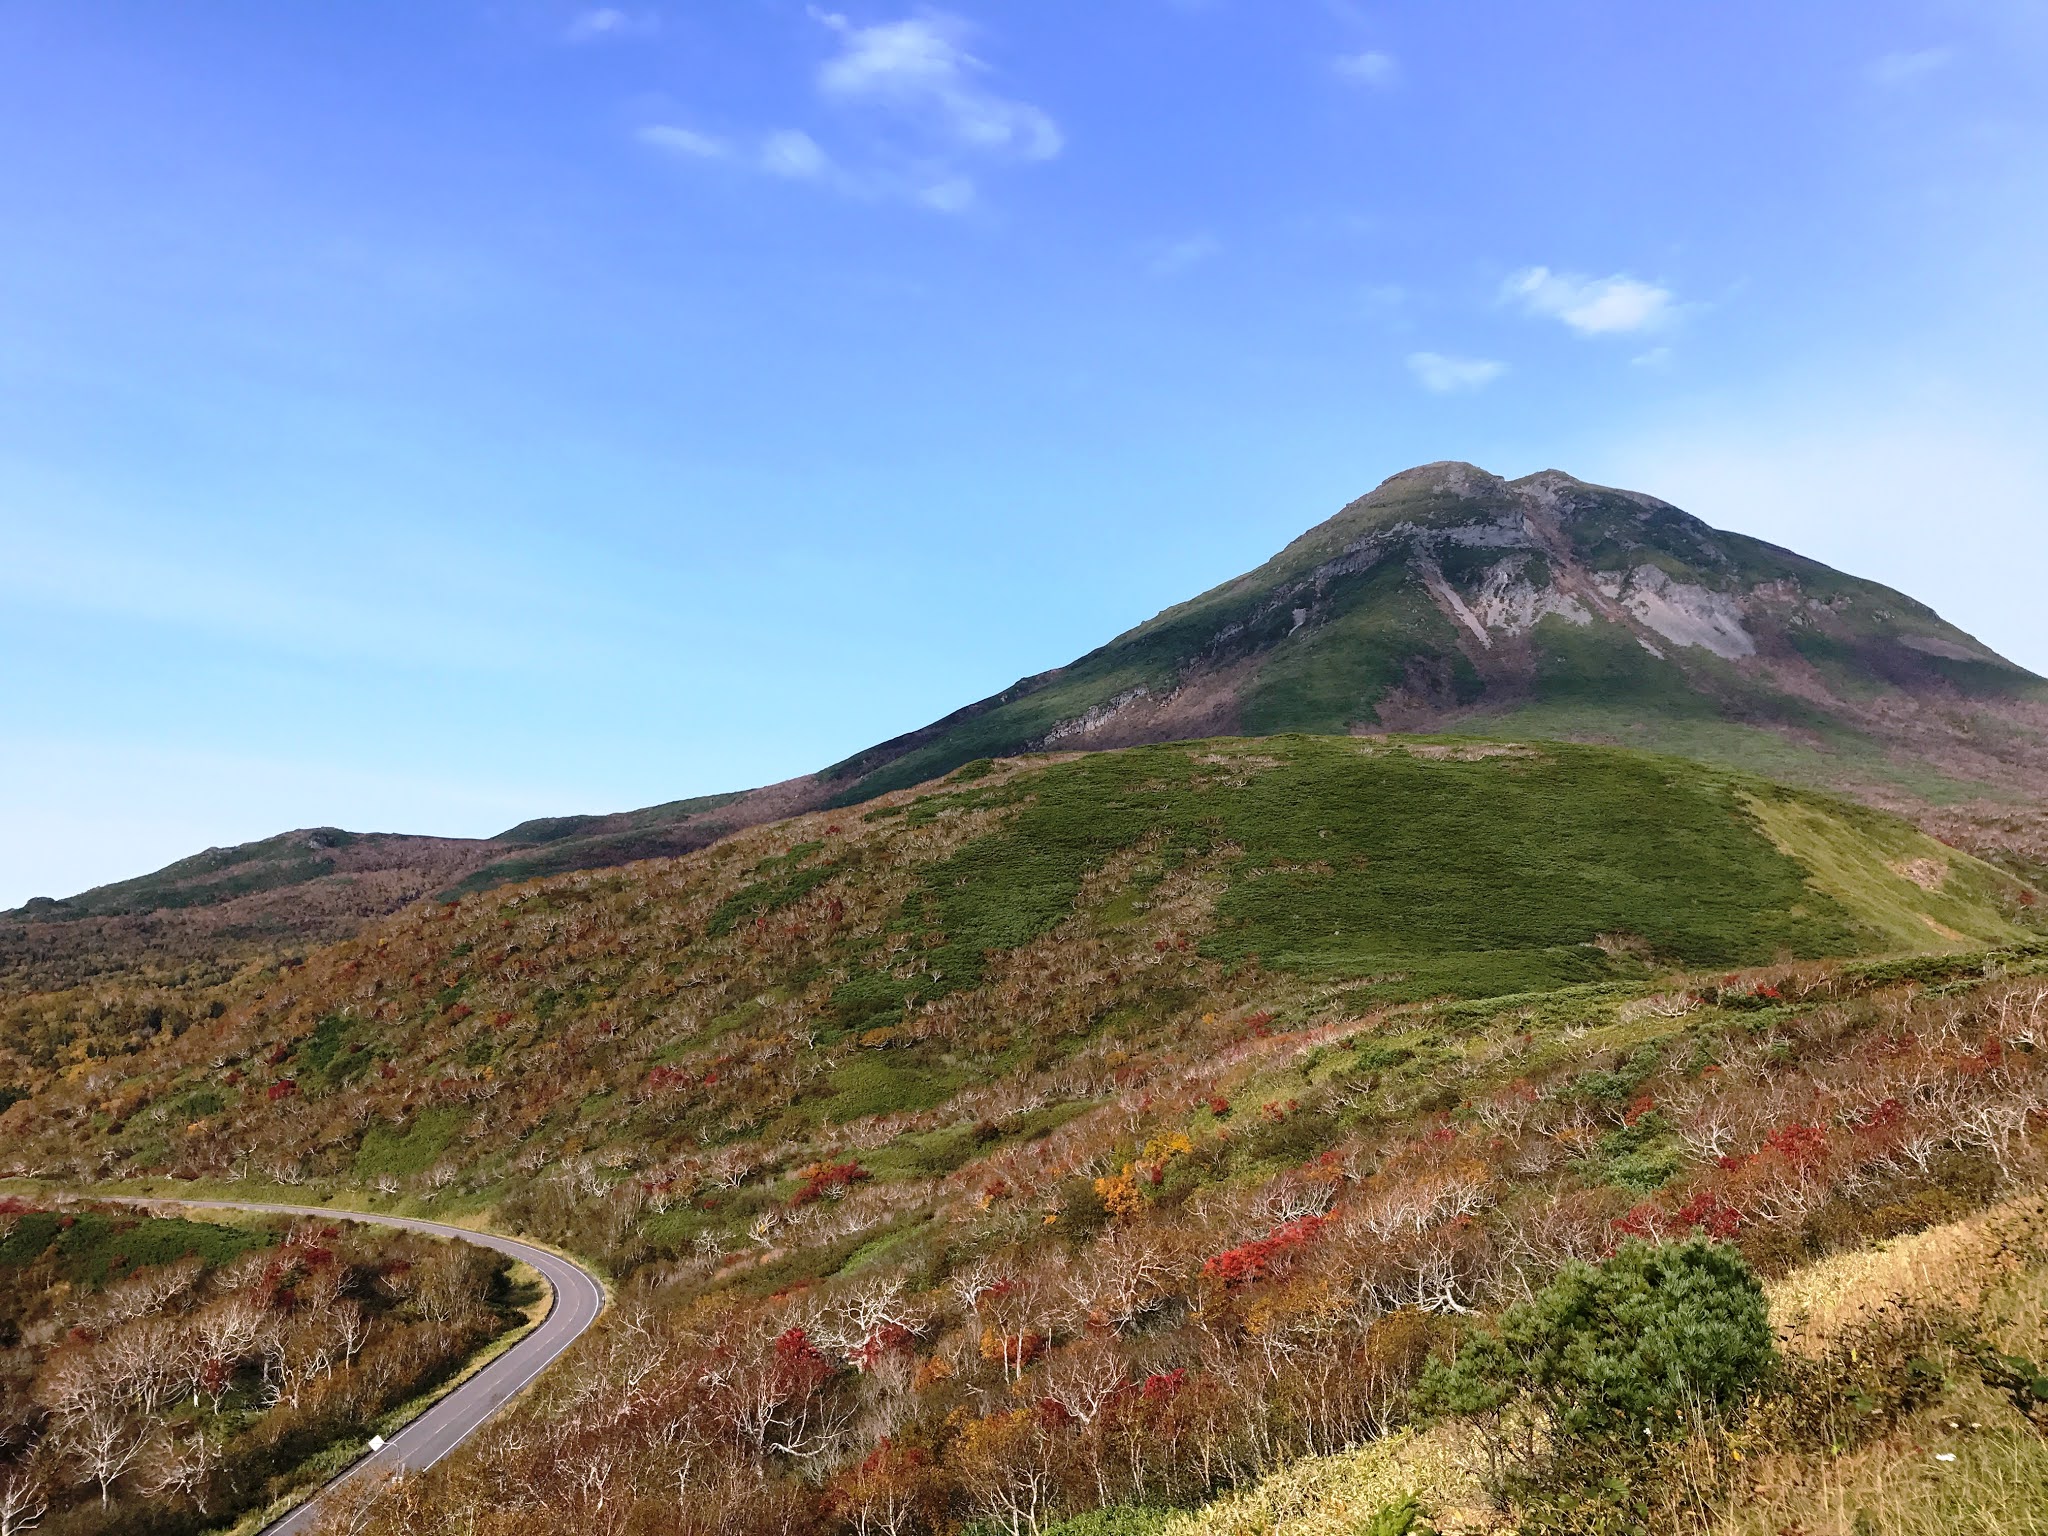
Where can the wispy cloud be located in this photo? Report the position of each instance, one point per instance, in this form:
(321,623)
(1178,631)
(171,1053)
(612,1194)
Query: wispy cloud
(922,69)
(1444,375)
(1371,68)
(1182,254)
(1592,306)
(933,123)
(1905,67)
(794,156)
(605,23)
(687,142)
(788,154)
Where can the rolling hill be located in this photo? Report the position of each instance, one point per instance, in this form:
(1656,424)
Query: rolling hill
(998,925)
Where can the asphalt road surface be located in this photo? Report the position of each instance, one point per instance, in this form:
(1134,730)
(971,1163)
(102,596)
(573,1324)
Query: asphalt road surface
(578,1298)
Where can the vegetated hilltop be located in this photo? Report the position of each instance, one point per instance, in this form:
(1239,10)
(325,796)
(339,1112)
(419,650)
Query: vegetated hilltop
(197,921)
(1193,1090)
(1446,599)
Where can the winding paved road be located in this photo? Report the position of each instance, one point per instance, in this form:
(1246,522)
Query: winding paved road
(578,1298)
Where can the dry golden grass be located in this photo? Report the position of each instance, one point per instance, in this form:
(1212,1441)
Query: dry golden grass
(1967,1465)
(1337,1495)
(1993,1482)
(1946,1268)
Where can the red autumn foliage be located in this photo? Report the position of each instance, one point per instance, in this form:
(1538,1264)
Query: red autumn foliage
(1707,1212)
(1164,1387)
(1257,1259)
(1883,1118)
(800,1367)
(1803,1146)
(889,1339)
(823,1179)
(284,1088)
(1644,1221)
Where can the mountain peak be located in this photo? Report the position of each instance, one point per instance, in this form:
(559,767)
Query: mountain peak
(1452,477)
(1449,597)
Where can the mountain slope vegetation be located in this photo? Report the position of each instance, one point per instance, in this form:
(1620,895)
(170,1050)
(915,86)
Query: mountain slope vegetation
(1542,607)
(1018,918)
(1096,1128)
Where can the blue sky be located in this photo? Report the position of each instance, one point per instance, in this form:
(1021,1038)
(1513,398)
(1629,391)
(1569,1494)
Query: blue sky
(418,417)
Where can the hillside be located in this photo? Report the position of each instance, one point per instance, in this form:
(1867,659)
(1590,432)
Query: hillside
(1104,1127)
(202,918)
(1447,599)
(1019,918)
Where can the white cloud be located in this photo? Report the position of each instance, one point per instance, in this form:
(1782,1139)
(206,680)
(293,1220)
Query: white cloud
(933,122)
(605,22)
(1182,254)
(793,155)
(1378,70)
(1447,375)
(789,153)
(921,68)
(685,141)
(1592,306)
(1906,67)
(951,194)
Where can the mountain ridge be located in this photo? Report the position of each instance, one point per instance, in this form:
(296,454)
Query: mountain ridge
(1446,598)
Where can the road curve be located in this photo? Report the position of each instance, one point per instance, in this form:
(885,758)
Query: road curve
(578,1299)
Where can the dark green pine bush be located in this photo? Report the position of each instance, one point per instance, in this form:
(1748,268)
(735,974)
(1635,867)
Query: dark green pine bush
(1639,1347)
